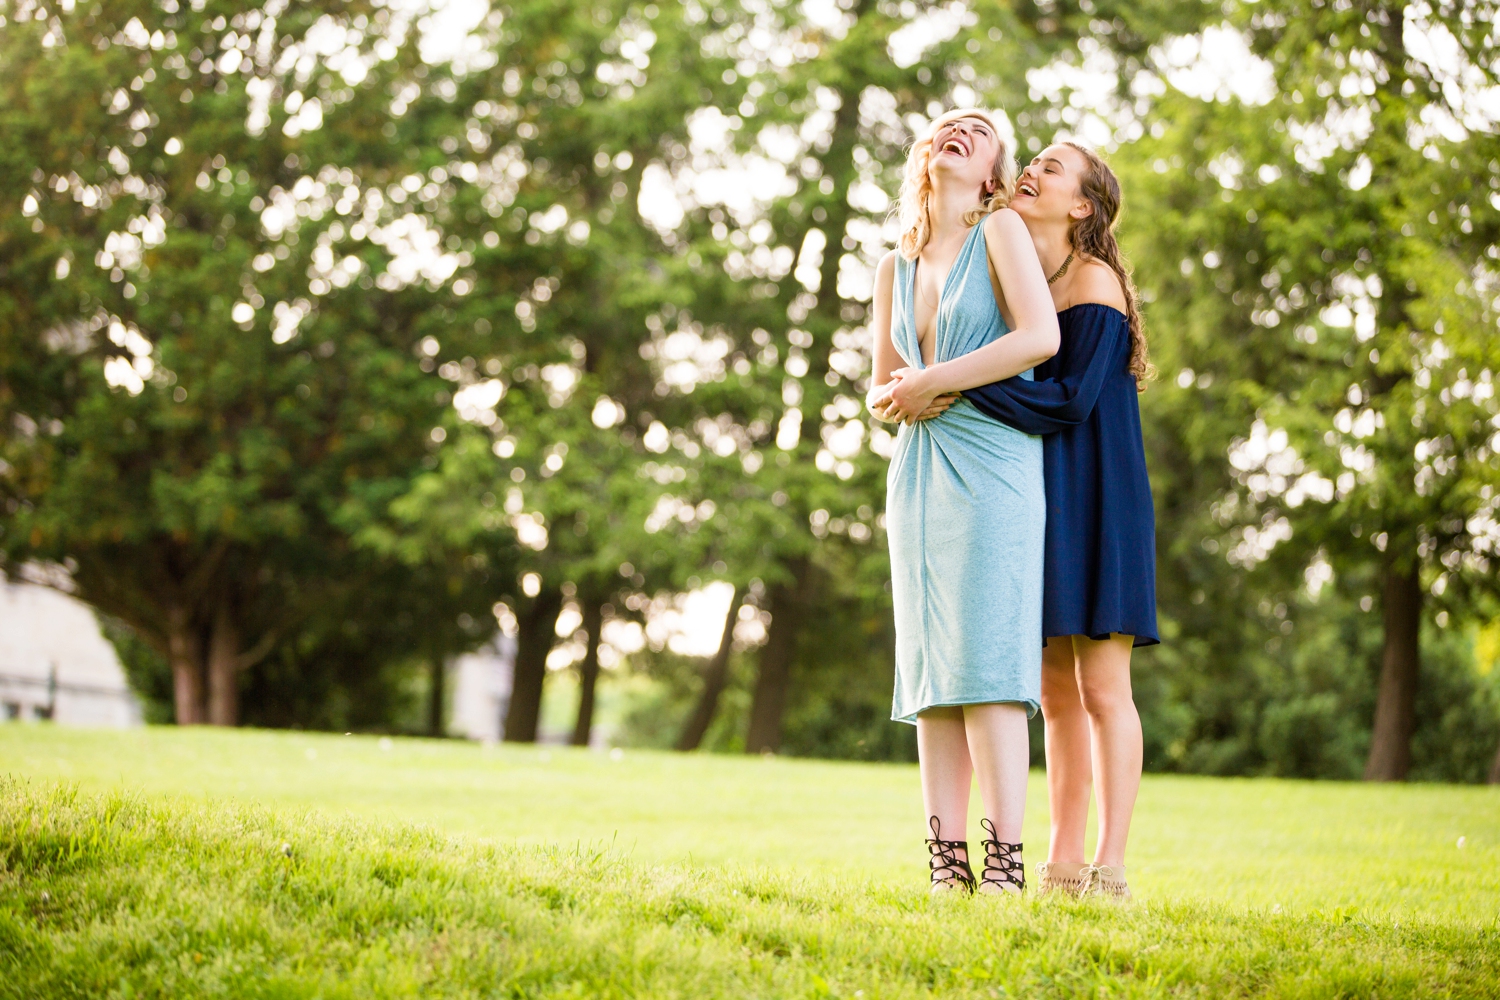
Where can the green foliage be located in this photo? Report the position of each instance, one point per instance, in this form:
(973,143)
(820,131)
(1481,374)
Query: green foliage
(322,353)
(654,711)
(1318,262)
(146,670)
(206,409)
(1459,712)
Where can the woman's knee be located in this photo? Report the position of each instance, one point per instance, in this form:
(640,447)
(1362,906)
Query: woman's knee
(1103,695)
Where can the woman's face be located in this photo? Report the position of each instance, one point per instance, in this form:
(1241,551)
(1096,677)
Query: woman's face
(1048,189)
(964,152)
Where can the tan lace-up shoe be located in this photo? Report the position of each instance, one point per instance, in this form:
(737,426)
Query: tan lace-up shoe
(1060,876)
(1107,881)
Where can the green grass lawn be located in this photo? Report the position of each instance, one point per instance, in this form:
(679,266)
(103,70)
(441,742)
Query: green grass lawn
(151,863)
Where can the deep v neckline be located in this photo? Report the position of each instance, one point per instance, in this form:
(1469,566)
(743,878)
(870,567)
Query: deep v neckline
(937,310)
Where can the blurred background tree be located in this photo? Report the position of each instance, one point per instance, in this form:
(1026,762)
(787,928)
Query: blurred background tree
(334,338)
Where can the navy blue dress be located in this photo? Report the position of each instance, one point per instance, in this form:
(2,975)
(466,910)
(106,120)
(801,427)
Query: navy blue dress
(1099,567)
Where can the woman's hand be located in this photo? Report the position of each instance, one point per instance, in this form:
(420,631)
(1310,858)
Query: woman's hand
(912,395)
(878,401)
(939,405)
(881,404)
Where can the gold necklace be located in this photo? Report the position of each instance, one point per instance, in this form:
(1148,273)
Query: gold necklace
(1062,270)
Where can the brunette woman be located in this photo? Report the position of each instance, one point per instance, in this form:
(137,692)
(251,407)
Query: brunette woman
(1099,599)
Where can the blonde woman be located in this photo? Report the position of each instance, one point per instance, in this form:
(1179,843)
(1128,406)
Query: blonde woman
(963,304)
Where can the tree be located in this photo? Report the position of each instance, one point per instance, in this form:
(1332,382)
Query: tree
(561,281)
(208,399)
(1331,300)
(715,677)
(783,273)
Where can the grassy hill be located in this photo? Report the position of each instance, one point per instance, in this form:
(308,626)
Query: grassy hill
(248,864)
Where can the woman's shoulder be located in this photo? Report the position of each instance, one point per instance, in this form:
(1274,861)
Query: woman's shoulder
(1096,283)
(1003,222)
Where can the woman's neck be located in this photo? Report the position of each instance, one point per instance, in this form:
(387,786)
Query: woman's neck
(946,207)
(1052,245)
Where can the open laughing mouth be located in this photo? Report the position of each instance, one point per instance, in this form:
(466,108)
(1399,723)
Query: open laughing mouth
(1026,188)
(955,144)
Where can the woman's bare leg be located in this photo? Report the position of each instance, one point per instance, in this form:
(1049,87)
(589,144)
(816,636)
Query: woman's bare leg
(1069,768)
(1001,753)
(943,753)
(1115,728)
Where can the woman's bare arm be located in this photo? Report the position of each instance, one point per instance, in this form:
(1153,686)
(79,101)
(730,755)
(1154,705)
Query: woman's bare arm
(886,358)
(1034,340)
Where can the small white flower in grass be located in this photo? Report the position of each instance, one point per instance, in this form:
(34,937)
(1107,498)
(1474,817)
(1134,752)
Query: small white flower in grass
(1461,842)
(617,754)
(386,744)
(286,850)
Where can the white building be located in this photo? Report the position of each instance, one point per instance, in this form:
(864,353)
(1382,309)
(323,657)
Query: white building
(56,664)
(481,684)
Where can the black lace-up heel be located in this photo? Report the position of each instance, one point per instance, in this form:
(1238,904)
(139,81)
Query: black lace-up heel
(1002,864)
(949,871)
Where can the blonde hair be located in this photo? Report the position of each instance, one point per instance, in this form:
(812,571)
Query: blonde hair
(916,186)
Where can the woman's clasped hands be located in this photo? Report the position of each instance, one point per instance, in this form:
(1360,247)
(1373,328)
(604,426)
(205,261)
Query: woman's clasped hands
(908,397)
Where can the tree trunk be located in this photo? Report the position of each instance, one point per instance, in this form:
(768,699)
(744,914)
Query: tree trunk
(224,670)
(1400,668)
(183,653)
(715,677)
(588,671)
(536,632)
(788,607)
(437,695)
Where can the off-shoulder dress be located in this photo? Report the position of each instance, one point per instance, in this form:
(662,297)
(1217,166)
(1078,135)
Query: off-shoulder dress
(1100,552)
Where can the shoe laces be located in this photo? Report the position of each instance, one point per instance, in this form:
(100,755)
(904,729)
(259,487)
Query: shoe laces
(1092,877)
(1002,860)
(946,866)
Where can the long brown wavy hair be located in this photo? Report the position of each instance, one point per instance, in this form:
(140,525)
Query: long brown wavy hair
(916,186)
(1094,236)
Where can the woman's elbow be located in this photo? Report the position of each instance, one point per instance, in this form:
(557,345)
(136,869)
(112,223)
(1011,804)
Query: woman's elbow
(1048,342)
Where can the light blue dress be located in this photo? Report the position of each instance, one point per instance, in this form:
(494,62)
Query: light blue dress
(966,518)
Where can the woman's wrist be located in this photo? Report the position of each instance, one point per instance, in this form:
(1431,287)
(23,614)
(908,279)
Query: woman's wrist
(930,380)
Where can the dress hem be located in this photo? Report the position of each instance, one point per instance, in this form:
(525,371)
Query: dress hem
(1141,639)
(1031,707)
